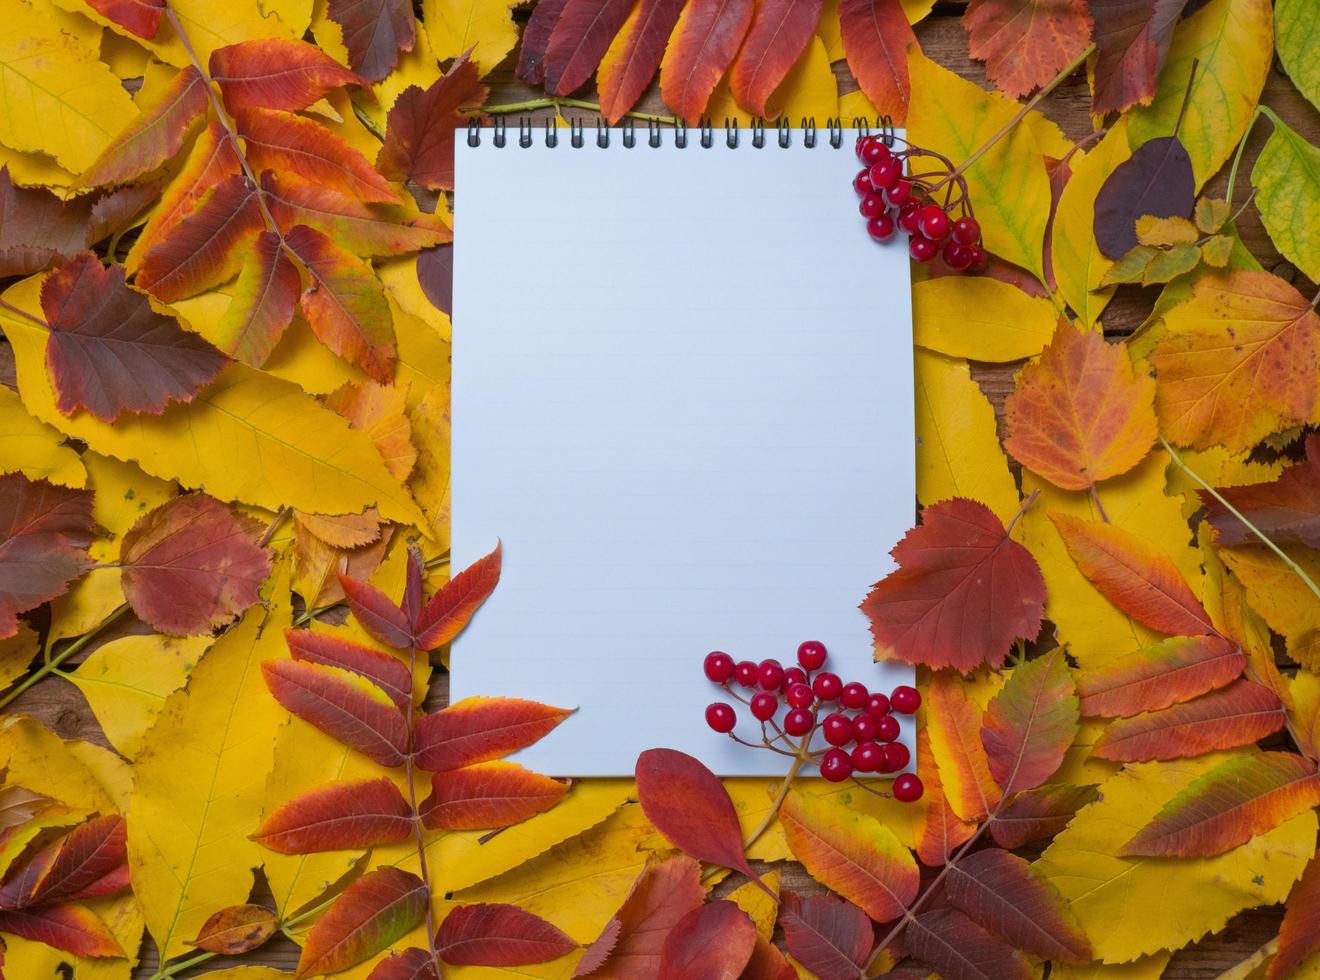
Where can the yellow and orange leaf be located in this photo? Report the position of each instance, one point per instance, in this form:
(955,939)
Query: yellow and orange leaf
(1224,719)
(954,724)
(342,816)
(701,48)
(876,39)
(1155,677)
(487,796)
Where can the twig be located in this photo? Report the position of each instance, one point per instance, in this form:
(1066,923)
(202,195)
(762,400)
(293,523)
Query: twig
(1021,510)
(24,314)
(409,768)
(270,531)
(51,663)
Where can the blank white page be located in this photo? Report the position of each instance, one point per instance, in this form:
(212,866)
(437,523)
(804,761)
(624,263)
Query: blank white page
(683,399)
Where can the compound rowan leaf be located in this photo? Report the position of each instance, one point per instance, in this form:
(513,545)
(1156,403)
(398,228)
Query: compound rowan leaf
(713,940)
(1131,41)
(236,930)
(830,937)
(487,796)
(630,945)
(582,33)
(44,534)
(632,59)
(535,40)
(959,949)
(1287,511)
(1024,43)
(1030,724)
(876,40)
(191,565)
(963,592)
(1155,180)
(702,46)
(386,672)
(850,853)
(953,722)
(453,606)
(372,913)
(276,73)
(140,17)
(419,132)
(1080,413)
(498,935)
(339,817)
(779,34)
(481,729)
(1157,676)
(1039,814)
(375,31)
(72,928)
(265,297)
(343,705)
(1235,715)
(1299,933)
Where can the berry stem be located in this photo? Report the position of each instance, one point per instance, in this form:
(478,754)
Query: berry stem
(778,801)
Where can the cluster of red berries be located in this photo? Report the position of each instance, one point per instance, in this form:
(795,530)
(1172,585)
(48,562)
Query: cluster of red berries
(857,717)
(893,200)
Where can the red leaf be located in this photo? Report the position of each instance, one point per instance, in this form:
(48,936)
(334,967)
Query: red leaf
(1157,180)
(701,48)
(72,928)
(876,40)
(109,352)
(236,930)
(435,274)
(140,17)
(779,34)
(631,61)
(1236,715)
(481,729)
(386,672)
(713,940)
(1025,43)
(276,73)
(938,830)
(343,705)
(37,229)
(689,805)
(959,949)
(768,963)
(630,945)
(536,38)
(1154,677)
(1299,933)
(372,913)
(86,863)
(377,613)
(118,210)
(375,31)
(830,937)
(409,964)
(1039,814)
(452,608)
(582,32)
(1131,39)
(998,891)
(498,935)
(44,534)
(338,817)
(1287,510)
(419,133)
(1134,575)
(263,303)
(487,796)
(1031,723)
(963,594)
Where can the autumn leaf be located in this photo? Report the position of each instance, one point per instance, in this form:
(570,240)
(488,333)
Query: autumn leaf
(88,862)
(582,33)
(236,930)
(37,230)
(830,937)
(386,672)
(1030,724)
(345,706)
(1299,934)
(713,940)
(630,945)
(453,606)
(263,304)
(1039,814)
(478,730)
(1155,677)
(702,46)
(498,935)
(342,816)
(632,59)
(1292,36)
(44,534)
(276,73)
(374,911)
(938,829)
(377,613)
(536,38)
(1286,510)
(381,412)
(953,723)
(1155,180)
(487,796)
(957,947)
(1131,41)
(876,39)
(419,135)
(140,17)
(1235,715)
(1025,43)
(375,31)
(72,928)
(779,34)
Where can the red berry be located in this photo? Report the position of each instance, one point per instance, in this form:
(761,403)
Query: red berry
(764,706)
(880,227)
(908,788)
(800,696)
(770,675)
(718,666)
(966,231)
(862,182)
(933,223)
(897,757)
(922,249)
(980,261)
(864,728)
(811,654)
(900,193)
(867,757)
(799,721)
(872,206)
(720,717)
(837,729)
(888,760)
(873,151)
(877,705)
(907,217)
(862,143)
(886,729)
(836,765)
(827,686)
(957,257)
(747,673)
(904,699)
(794,675)
(854,695)
(886,174)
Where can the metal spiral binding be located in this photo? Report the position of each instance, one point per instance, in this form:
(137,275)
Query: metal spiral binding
(706,132)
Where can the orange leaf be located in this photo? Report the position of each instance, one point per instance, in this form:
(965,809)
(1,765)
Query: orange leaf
(778,36)
(1080,414)
(263,303)
(938,828)
(358,714)
(372,913)
(72,928)
(44,534)
(768,963)
(487,796)
(1131,41)
(276,73)
(629,946)
(1039,814)
(1227,806)
(1236,362)
(140,17)
(1024,43)
(876,40)
(1157,676)
(453,606)
(375,31)
(236,929)
(631,61)
(386,672)
(959,949)
(1031,723)
(481,729)
(339,817)
(852,854)
(419,133)
(1135,576)
(1236,715)
(499,935)
(954,724)
(713,940)
(1299,934)
(581,34)
(381,412)
(830,937)
(700,49)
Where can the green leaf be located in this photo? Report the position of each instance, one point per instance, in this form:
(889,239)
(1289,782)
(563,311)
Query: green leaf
(1287,182)
(1297,28)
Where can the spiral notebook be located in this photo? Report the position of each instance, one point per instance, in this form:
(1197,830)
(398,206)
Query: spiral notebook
(683,400)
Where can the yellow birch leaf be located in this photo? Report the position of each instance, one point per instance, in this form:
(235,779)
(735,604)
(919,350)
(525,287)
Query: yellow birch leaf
(33,448)
(199,779)
(126,58)
(760,907)
(958,451)
(1131,907)
(1146,968)
(980,318)
(114,773)
(1078,263)
(1280,596)
(1173,230)
(34,169)
(1079,766)
(296,14)
(485,26)
(16,654)
(38,759)
(1304,691)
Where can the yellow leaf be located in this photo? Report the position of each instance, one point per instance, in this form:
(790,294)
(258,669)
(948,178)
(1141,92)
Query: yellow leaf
(422,361)
(1280,596)
(809,90)
(1232,39)
(1217,250)
(249,973)
(1220,468)
(34,169)
(1211,213)
(980,318)
(33,448)
(1146,968)
(430,478)
(16,654)
(399,276)
(958,451)
(1173,230)
(200,776)
(1304,690)
(760,907)
(38,759)
(1130,907)
(416,67)
(485,26)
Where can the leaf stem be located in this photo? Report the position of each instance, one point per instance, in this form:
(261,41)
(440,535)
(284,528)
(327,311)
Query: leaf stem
(1021,510)
(1100,508)
(409,769)
(51,663)
(1237,156)
(274,525)
(24,314)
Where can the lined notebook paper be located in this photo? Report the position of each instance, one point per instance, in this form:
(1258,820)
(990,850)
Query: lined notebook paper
(683,399)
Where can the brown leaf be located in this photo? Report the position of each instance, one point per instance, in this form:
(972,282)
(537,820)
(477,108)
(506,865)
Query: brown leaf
(1131,39)
(435,274)
(373,912)
(876,40)
(44,534)
(1287,511)
(1025,43)
(713,940)
(1156,179)
(535,40)
(419,132)
(830,937)
(959,949)
(499,935)
(338,817)
(236,930)
(630,944)
(375,31)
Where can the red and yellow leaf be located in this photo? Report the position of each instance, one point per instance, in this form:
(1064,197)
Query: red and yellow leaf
(632,59)
(86,863)
(1235,715)
(630,945)
(236,930)
(499,935)
(386,672)
(1039,814)
(1287,511)
(1025,43)
(419,132)
(481,729)
(830,937)
(263,304)
(413,963)
(72,928)
(702,46)
(713,940)
(876,40)
(954,724)
(779,34)
(44,534)
(305,150)
(140,17)
(372,913)
(1131,40)
(1155,677)
(344,705)
(381,412)
(487,796)
(938,829)
(582,33)
(1299,934)
(276,73)
(338,817)
(1030,724)
(452,608)
(377,613)
(959,949)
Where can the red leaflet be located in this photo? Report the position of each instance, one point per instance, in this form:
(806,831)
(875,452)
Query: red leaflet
(959,949)
(86,863)
(1236,715)
(338,817)
(371,914)
(778,36)
(938,830)
(343,705)
(963,594)
(376,613)
(498,935)
(140,17)
(876,40)
(452,608)
(1030,724)
(386,672)
(1132,574)
(109,352)
(1038,813)
(1025,43)
(481,729)
(1299,934)
(487,796)
(1287,510)
(631,61)
(263,303)
(713,940)
(768,963)
(72,928)
(236,929)
(830,937)
(701,48)
(44,534)
(277,73)
(1131,39)
(410,964)
(630,945)
(375,31)
(581,34)
(165,121)
(689,805)
(997,890)
(191,565)
(1179,668)
(536,38)
(419,133)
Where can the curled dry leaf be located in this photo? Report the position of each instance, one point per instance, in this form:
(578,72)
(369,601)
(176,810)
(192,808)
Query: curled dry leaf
(236,930)
(372,913)
(481,729)
(339,817)
(44,534)
(499,935)
(488,795)
(713,940)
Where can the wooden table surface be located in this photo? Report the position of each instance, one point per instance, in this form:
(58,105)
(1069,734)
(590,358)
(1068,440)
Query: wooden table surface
(60,706)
